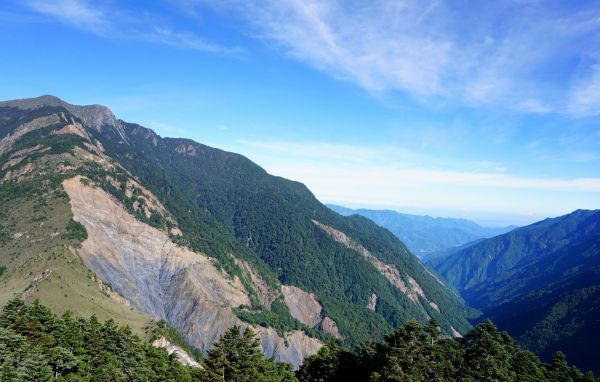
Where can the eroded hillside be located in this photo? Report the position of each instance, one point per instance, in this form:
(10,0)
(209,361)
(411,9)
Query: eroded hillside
(165,280)
(201,238)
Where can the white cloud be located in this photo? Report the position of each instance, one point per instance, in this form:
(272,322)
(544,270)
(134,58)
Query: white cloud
(377,178)
(499,53)
(585,156)
(393,163)
(534,106)
(585,97)
(75,12)
(322,152)
(441,189)
(387,176)
(379,45)
(113,22)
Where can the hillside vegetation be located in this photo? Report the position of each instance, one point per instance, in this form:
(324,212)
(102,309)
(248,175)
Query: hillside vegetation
(539,282)
(224,203)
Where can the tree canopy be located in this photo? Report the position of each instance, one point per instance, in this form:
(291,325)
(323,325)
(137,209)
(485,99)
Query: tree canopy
(414,353)
(37,345)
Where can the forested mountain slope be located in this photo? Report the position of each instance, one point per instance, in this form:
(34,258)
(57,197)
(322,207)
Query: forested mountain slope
(448,251)
(533,255)
(425,235)
(202,238)
(540,282)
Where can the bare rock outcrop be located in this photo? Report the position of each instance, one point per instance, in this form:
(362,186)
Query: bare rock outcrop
(330,326)
(295,345)
(372,302)
(28,291)
(74,128)
(167,281)
(186,150)
(455,333)
(265,294)
(182,356)
(413,290)
(305,308)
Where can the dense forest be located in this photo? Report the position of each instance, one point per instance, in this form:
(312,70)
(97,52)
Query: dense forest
(37,345)
(224,203)
(540,283)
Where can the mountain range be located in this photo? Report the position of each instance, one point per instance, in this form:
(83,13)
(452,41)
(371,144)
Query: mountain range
(426,236)
(541,283)
(108,218)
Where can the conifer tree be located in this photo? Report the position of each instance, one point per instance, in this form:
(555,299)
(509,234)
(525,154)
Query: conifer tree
(488,355)
(237,357)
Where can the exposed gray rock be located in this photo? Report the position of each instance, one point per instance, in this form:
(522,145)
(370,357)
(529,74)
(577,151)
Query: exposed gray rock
(305,308)
(182,356)
(330,326)
(167,281)
(372,302)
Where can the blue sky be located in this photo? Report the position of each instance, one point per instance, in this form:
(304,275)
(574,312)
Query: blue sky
(458,108)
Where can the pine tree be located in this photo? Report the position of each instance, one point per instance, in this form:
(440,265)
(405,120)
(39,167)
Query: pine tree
(488,355)
(322,366)
(62,361)
(527,367)
(433,330)
(559,368)
(33,368)
(237,357)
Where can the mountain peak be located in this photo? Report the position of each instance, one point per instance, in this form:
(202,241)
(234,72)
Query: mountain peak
(32,103)
(96,116)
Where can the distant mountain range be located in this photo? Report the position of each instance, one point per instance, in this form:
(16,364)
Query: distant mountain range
(541,283)
(425,236)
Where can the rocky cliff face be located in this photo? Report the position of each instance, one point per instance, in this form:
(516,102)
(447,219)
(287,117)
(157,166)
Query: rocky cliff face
(167,281)
(306,308)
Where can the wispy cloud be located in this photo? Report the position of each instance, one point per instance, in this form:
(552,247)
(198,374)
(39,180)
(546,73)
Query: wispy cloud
(507,54)
(389,176)
(503,53)
(533,106)
(584,99)
(107,20)
(77,13)
(354,42)
(407,166)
